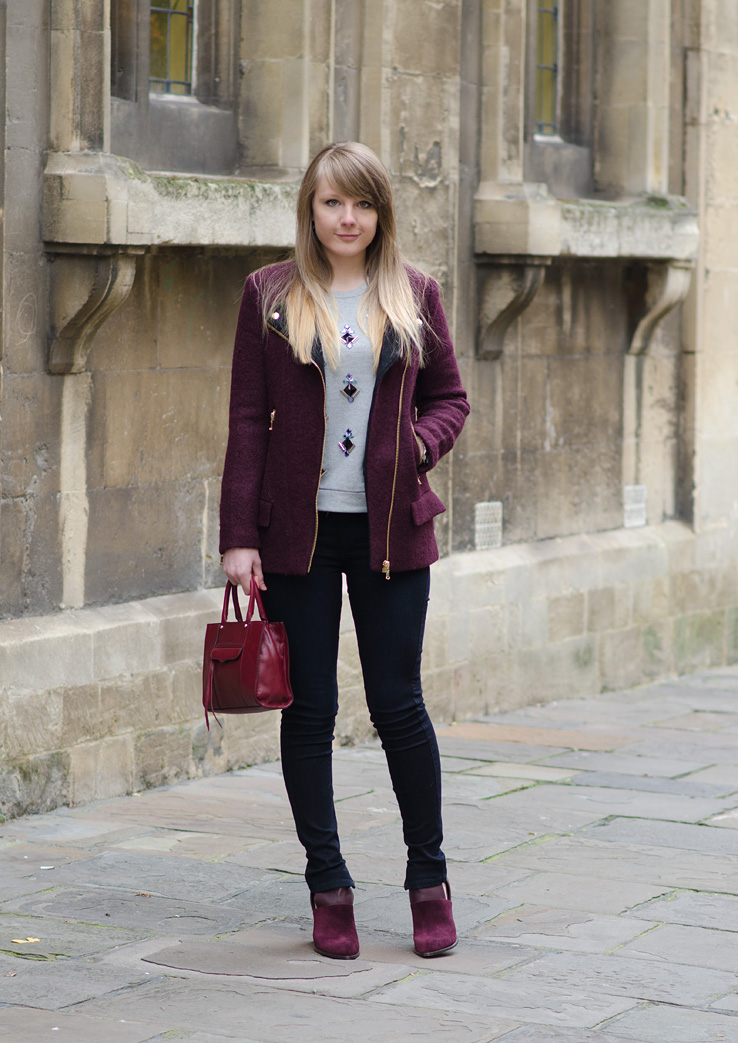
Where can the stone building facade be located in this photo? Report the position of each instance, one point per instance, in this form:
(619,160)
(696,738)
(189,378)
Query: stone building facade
(580,211)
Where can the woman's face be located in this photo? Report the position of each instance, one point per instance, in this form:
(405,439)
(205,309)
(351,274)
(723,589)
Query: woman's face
(344,226)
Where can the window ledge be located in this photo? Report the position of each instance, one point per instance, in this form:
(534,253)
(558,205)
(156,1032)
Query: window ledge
(524,220)
(98,199)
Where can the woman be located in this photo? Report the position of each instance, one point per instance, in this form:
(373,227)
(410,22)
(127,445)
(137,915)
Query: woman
(345,392)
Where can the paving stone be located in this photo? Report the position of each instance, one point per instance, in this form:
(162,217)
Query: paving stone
(209,847)
(55,984)
(454,764)
(718,775)
(544,1004)
(474,787)
(532,736)
(227,1009)
(618,975)
(706,839)
(162,875)
(693,910)
(573,931)
(56,939)
(623,764)
(666,1023)
(694,946)
(594,895)
(582,856)
(689,751)
(551,814)
(497,751)
(543,1034)
(702,721)
(652,784)
(601,802)
(127,910)
(537,772)
(24,1025)
(727,820)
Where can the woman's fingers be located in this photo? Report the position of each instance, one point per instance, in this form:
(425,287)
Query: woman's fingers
(240,563)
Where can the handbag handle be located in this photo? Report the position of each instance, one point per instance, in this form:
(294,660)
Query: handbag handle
(231,593)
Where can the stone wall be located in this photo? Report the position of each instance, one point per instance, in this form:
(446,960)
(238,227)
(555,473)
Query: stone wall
(596,338)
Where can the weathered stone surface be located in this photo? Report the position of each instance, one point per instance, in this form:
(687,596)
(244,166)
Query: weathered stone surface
(55,984)
(654,1024)
(499,998)
(694,946)
(24,1025)
(596,896)
(695,910)
(545,928)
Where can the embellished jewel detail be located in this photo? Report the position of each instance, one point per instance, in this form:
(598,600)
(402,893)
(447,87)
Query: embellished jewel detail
(275,314)
(349,389)
(348,336)
(346,445)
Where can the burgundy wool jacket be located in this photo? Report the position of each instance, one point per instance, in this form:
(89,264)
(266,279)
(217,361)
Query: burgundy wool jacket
(277,431)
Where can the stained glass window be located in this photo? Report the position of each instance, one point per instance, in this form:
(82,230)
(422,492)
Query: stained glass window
(547,70)
(171,49)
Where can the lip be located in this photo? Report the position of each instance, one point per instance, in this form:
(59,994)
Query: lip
(349,235)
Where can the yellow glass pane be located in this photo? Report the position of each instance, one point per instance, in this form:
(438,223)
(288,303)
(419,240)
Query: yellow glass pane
(158,48)
(547,54)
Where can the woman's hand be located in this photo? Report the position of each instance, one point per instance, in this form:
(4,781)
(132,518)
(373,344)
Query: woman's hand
(239,563)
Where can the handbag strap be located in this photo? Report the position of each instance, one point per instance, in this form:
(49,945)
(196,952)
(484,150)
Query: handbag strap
(255,597)
(231,593)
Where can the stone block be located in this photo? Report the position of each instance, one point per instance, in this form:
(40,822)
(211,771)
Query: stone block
(563,671)
(582,410)
(718,479)
(100,770)
(181,620)
(161,756)
(651,599)
(180,424)
(198,298)
(125,639)
(29,645)
(207,750)
(261,123)
(731,634)
(130,704)
(82,717)
(438,56)
(566,616)
(657,655)
(620,658)
(12,553)
(487,631)
(34,785)
(186,685)
(251,739)
(698,640)
(534,623)
(719,231)
(570,498)
(144,541)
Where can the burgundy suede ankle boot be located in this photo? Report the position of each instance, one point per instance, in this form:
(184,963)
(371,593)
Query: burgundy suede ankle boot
(434,931)
(334,930)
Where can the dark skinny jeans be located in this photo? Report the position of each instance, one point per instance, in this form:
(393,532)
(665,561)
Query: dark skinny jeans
(389,618)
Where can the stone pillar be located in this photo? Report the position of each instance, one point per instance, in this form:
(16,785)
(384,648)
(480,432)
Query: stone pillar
(504,44)
(709,466)
(80,76)
(633,77)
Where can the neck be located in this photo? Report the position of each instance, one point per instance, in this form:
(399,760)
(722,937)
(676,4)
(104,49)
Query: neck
(348,276)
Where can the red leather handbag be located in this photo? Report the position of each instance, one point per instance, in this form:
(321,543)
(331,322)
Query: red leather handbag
(246,664)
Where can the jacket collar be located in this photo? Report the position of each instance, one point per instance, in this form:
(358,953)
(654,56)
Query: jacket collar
(389,352)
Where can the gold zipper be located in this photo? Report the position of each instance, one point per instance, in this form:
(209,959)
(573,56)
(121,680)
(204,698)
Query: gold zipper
(271,419)
(386,563)
(322,454)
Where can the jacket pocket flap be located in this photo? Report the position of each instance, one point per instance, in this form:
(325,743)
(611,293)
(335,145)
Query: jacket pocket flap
(224,655)
(265,513)
(427,507)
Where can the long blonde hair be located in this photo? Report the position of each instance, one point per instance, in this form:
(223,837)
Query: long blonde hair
(302,289)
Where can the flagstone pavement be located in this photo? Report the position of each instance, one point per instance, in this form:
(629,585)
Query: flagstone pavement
(593,856)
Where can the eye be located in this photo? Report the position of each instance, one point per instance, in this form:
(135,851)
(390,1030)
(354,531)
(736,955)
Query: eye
(331,202)
(364,204)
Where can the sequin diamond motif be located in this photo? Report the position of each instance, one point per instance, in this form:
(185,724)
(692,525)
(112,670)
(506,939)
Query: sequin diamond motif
(346,444)
(349,389)
(348,336)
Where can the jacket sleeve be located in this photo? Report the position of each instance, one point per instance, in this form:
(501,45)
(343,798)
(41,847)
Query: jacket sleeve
(440,399)
(248,427)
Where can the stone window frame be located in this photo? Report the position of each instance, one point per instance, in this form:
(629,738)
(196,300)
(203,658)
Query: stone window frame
(153,128)
(563,160)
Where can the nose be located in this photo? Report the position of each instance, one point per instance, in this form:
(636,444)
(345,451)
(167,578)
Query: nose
(349,216)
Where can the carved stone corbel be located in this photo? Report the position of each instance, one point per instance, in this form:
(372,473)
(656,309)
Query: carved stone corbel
(506,293)
(660,288)
(87,285)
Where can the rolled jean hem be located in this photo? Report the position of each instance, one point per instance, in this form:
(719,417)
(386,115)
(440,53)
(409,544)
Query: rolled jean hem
(329,883)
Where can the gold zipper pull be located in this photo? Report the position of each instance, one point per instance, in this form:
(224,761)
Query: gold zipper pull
(271,419)
(386,569)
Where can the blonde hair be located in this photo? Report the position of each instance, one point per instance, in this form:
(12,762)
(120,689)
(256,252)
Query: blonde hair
(302,289)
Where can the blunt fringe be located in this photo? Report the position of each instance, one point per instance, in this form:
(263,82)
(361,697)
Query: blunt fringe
(302,288)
